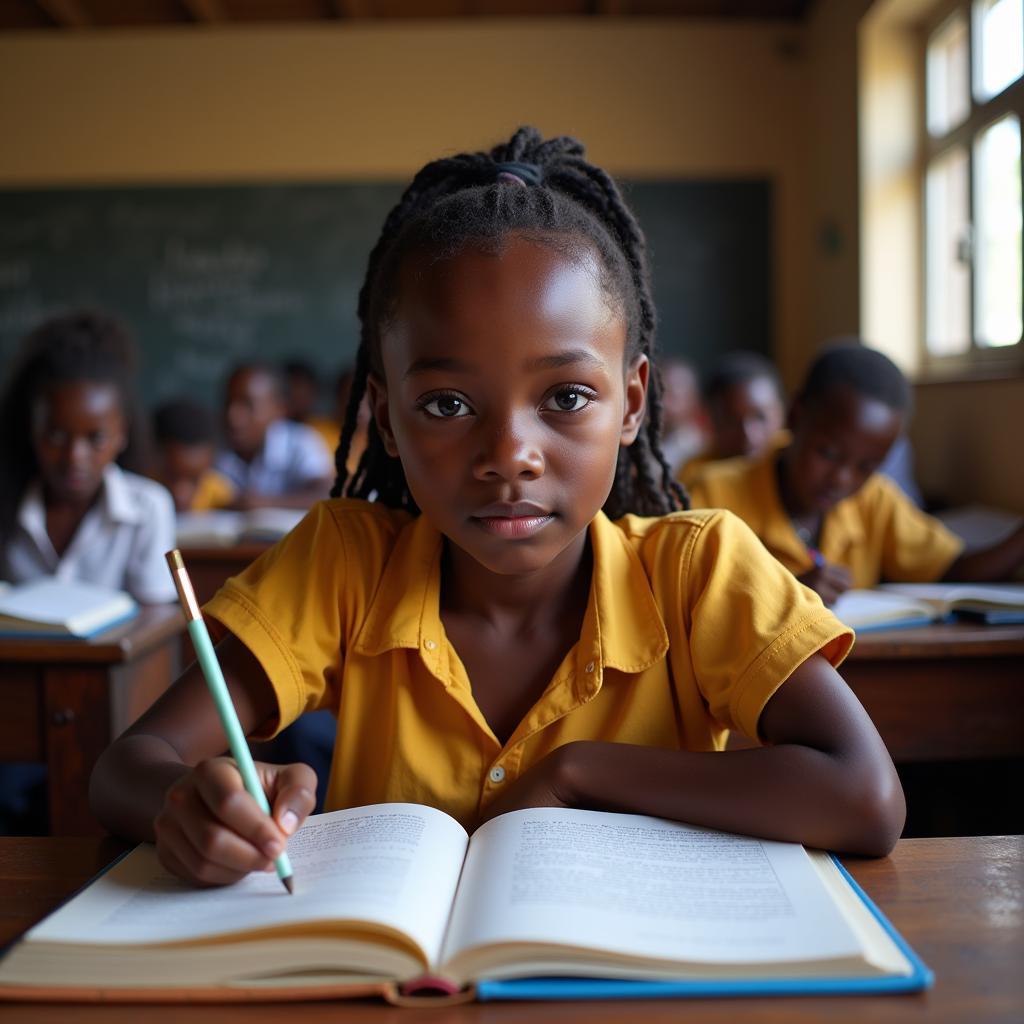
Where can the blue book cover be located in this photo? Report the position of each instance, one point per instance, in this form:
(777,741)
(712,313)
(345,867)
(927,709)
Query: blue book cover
(920,978)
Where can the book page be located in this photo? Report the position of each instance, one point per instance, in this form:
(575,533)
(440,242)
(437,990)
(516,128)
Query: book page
(644,887)
(944,594)
(863,608)
(392,864)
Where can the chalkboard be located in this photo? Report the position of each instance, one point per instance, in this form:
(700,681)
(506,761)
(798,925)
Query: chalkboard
(209,275)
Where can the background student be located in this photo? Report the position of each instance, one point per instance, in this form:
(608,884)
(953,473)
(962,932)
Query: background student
(68,416)
(684,421)
(820,506)
(486,635)
(67,509)
(185,434)
(270,460)
(746,409)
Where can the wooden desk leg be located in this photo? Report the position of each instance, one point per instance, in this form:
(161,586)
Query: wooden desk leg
(77,729)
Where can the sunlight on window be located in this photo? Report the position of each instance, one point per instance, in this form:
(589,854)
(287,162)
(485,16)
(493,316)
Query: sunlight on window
(947,260)
(999,45)
(947,90)
(997,208)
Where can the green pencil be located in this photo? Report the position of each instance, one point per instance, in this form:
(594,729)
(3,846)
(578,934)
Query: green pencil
(219,691)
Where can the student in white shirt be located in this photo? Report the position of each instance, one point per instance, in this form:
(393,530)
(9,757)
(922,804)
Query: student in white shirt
(66,508)
(270,460)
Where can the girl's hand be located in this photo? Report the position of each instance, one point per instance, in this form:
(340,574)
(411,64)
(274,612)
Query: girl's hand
(546,784)
(210,831)
(828,580)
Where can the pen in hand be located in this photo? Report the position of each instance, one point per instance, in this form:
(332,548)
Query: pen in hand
(222,698)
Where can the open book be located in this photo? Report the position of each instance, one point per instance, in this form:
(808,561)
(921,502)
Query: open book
(222,527)
(913,604)
(61,609)
(398,893)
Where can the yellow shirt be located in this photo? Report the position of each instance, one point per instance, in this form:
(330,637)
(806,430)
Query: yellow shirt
(877,533)
(690,628)
(213,491)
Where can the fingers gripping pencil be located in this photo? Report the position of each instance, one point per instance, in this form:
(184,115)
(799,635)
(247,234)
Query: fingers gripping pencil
(222,698)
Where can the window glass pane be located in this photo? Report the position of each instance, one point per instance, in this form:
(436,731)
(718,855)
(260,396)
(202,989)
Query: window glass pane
(947,266)
(997,215)
(998,45)
(947,88)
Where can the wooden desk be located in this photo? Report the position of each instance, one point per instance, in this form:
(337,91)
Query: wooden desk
(209,567)
(64,701)
(951,691)
(958,902)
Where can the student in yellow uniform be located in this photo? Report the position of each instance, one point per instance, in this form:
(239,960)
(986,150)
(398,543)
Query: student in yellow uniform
(186,445)
(746,410)
(524,616)
(819,505)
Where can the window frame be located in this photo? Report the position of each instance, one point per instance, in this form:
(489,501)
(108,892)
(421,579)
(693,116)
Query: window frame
(978,361)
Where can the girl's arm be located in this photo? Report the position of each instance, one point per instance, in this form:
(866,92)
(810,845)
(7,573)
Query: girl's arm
(998,562)
(162,781)
(824,779)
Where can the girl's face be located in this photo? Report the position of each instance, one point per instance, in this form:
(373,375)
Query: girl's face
(78,428)
(507,399)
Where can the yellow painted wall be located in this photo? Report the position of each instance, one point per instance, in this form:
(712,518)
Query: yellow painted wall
(650,98)
(966,434)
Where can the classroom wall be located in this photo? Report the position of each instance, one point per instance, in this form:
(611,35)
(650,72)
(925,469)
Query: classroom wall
(652,98)
(965,432)
(698,99)
(832,290)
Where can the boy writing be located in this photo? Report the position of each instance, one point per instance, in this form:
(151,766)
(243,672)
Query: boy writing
(820,506)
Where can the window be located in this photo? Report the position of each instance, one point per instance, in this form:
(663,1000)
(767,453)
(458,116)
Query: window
(973,258)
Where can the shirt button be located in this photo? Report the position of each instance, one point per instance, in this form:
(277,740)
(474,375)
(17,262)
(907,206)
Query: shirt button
(496,774)
(429,644)
(589,667)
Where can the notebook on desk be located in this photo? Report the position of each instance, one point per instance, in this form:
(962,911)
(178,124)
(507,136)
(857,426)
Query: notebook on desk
(54,609)
(396,900)
(223,527)
(895,605)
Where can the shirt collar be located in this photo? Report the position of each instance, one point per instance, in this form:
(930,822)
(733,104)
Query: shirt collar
(115,501)
(622,626)
(841,530)
(32,517)
(116,497)
(841,527)
(776,528)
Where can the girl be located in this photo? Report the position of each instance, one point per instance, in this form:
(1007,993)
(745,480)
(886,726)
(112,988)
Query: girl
(521,617)
(66,508)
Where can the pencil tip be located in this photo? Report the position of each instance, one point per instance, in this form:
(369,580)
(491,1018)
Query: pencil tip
(289,884)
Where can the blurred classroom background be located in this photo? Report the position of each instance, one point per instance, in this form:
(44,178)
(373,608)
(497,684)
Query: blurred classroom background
(214,172)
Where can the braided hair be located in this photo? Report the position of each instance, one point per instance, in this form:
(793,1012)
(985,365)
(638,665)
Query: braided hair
(480,198)
(85,345)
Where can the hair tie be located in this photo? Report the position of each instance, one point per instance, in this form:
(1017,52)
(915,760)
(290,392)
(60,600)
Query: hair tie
(517,173)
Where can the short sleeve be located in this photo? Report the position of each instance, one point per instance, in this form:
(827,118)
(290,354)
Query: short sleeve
(147,578)
(915,547)
(297,607)
(751,624)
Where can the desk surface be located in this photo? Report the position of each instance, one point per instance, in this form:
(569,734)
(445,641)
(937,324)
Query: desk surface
(150,628)
(958,902)
(940,640)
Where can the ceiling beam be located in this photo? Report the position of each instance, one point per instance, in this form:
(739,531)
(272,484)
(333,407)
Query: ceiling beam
(206,11)
(348,10)
(609,8)
(65,13)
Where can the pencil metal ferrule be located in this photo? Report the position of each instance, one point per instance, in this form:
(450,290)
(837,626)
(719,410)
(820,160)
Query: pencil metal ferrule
(186,594)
